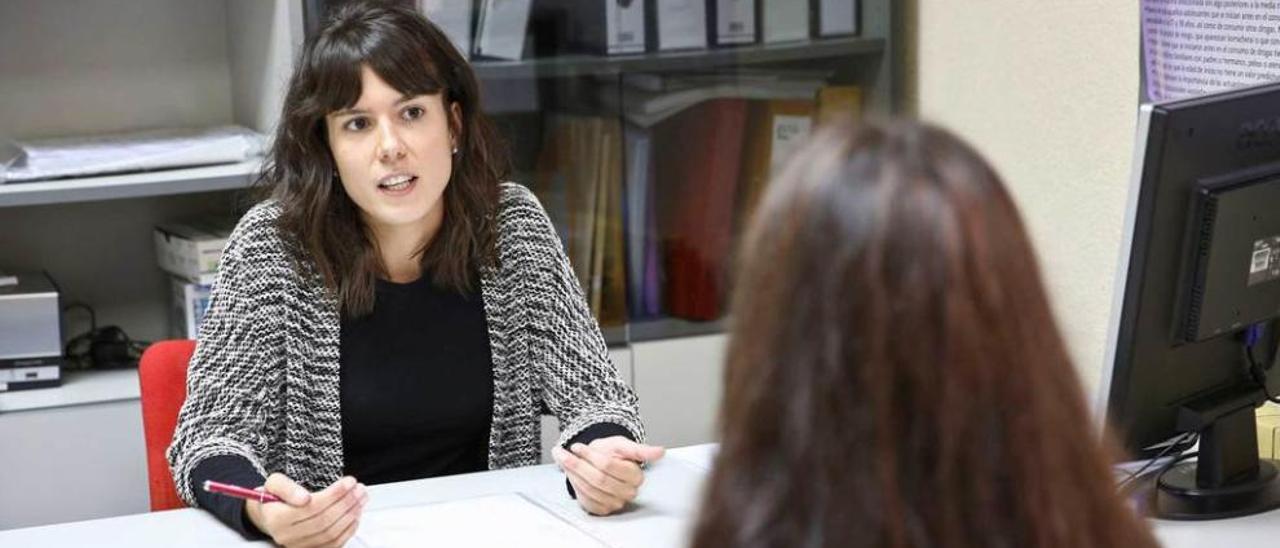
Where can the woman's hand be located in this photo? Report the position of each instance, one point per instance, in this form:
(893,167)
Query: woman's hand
(324,518)
(606,474)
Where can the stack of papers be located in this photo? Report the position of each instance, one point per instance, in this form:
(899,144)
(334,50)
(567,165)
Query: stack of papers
(120,153)
(646,100)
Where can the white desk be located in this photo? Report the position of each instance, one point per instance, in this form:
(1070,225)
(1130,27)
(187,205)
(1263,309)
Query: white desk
(660,516)
(1256,530)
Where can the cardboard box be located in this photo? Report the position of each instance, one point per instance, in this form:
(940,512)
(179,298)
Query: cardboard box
(189,302)
(191,250)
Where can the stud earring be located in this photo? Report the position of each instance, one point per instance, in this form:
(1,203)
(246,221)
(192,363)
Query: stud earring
(455,151)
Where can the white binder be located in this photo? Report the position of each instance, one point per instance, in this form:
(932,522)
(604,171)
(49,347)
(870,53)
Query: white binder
(678,24)
(836,17)
(784,20)
(501,30)
(624,22)
(454,18)
(735,21)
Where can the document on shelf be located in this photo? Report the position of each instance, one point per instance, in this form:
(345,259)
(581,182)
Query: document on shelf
(497,520)
(62,157)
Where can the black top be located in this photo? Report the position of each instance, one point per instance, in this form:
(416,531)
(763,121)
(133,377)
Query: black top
(417,385)
(416,396)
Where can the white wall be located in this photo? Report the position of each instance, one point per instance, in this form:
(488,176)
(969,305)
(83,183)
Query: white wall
(84,66)
(1048,91)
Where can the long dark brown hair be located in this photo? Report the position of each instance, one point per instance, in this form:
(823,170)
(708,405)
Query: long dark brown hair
(895,376)
(416,58)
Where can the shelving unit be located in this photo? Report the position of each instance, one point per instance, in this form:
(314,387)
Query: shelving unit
(83,67)
(133,185)
(585,65)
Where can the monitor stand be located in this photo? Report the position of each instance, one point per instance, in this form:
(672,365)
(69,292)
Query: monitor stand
(1227,479)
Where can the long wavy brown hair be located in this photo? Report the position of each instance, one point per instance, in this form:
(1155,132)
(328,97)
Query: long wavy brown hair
(413,56)
(895,376)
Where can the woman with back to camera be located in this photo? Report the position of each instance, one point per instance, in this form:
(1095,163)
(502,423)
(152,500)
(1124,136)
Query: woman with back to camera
(393,310)
(895,376)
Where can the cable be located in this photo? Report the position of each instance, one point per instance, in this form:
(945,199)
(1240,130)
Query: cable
(77,347)
(106,347)
(1252,335)
(1250,339)
(1174,461)
(1183,442)
(93,317)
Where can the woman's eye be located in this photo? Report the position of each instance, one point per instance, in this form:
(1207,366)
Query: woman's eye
(356,124)
(413,113)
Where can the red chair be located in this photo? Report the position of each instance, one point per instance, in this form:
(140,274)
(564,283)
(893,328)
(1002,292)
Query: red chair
(162,373)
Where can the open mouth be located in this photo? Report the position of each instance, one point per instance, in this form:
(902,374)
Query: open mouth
(397,184)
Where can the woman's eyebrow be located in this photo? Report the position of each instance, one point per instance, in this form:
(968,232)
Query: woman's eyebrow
(349,111)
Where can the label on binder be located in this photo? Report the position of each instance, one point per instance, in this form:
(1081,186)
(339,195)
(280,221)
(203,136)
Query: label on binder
(788,133)
(735,21)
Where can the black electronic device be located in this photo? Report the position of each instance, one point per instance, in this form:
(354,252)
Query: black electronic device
(1235,255)
(1194,330)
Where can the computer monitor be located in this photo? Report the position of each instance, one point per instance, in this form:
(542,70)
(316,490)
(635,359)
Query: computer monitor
(1199,282)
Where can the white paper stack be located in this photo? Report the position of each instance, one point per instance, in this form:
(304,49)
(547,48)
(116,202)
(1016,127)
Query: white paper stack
(647,102)
(120,153)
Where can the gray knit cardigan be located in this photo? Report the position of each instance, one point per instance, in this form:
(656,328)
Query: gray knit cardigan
(263,382)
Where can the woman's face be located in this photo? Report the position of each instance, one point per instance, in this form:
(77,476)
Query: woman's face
(394,154)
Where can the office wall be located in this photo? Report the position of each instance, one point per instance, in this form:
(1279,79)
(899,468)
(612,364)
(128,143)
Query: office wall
(1048,91)
(84,66)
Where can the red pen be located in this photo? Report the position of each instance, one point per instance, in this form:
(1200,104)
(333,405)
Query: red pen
(239,492)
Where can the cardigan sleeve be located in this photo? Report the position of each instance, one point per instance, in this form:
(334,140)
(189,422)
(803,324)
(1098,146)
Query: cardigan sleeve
(234,379)
(578,381)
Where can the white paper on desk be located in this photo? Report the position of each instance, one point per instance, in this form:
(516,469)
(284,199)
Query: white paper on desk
(498,520)
(661,515)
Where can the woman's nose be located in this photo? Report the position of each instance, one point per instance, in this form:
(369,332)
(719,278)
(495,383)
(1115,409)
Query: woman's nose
(390,147)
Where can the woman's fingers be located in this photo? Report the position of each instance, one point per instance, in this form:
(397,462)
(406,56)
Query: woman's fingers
(591,499)
(348,533)
(289,491)
(558,455)
(331,533)
(297,526)
(624,471)
(332,504)
(620,446)
(577,470)
(587,471)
